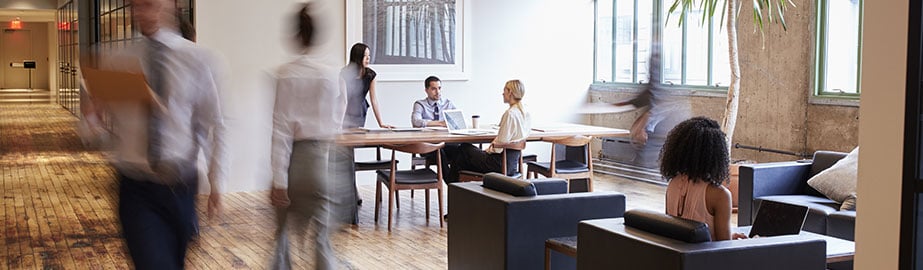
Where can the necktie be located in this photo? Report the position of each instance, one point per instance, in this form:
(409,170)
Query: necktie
(155,78)
(436,111)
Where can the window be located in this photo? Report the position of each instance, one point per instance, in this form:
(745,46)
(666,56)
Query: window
(694,54)
(840,35)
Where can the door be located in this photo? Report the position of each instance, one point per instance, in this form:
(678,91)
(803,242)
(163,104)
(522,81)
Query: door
(16,46)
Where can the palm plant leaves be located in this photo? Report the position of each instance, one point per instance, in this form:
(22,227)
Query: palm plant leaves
(763,10)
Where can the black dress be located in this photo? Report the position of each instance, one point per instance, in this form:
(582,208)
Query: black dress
(357,89)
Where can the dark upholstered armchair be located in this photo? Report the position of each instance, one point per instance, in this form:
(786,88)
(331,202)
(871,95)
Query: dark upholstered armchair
(660,241)
(787,182)
(493,228)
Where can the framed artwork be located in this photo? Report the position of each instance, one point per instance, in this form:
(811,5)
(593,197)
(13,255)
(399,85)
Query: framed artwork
(410,40)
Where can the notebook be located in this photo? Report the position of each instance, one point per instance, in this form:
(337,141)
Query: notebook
(455,122)
(776,218)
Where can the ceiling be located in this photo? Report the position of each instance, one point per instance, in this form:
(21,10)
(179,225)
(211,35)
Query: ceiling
(33,15)
(28,10)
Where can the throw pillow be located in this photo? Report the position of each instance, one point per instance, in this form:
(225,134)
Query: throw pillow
(839,181)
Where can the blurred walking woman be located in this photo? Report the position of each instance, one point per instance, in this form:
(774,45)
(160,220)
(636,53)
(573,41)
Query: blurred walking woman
(309,109)
(360,81)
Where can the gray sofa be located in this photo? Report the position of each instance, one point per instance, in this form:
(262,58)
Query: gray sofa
(787,182)
(666,242)
(491,228)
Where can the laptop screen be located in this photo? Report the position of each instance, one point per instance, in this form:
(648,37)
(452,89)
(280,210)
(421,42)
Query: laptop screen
(776,218)
(454,119)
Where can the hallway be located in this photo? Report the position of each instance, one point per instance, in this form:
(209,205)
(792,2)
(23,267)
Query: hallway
(60,202)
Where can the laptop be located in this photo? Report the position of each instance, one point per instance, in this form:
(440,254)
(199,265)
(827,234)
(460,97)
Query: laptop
(776,218)
(455,122)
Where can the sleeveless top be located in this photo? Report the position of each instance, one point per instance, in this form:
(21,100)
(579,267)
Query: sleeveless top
(356,90)
(686,199)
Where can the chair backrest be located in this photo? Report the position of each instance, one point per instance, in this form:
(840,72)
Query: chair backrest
(416,148)
(519,146)
(665,225)
(571,141)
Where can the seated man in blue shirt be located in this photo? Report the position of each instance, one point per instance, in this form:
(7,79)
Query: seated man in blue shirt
(427,112)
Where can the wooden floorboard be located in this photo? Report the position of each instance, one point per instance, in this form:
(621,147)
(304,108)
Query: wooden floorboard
(60,211)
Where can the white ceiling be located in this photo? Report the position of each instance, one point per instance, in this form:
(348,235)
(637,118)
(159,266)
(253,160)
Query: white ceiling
(27,15)
(28,4)
(28,10)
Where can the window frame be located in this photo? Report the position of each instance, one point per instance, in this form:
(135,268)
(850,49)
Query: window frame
(820,59)
(658,22)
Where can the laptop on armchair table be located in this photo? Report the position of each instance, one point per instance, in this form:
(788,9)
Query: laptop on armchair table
(776,218)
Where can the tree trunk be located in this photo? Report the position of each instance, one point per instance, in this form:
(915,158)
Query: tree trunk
(730,109)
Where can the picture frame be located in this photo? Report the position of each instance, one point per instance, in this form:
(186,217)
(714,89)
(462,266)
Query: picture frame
(411,40)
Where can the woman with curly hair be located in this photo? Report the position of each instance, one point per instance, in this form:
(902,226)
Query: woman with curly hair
(695,161)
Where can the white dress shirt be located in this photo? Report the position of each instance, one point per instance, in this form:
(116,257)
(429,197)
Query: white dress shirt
(515,125)
(424,110)
(191,119)
(310,105)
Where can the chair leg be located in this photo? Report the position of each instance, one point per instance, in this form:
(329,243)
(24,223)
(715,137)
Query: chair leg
(568,185)
(398,200)
(391,193)
(377,199)
(411,193)
(589,183)
(441,214)
(547,258)
(427,204)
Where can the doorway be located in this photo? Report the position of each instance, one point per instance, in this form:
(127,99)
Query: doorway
(17,46)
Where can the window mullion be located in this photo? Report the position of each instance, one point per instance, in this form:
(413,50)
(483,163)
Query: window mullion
(634,35)
(614,44)
(683,50)
(711,50)
(859,51)
(821,64)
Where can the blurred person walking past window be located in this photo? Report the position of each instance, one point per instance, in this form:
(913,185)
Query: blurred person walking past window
(155,147)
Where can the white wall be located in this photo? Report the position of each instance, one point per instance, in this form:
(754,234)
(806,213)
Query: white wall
(881,129)
(548,44)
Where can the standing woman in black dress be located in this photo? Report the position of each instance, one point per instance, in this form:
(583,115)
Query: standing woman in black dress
(360,81)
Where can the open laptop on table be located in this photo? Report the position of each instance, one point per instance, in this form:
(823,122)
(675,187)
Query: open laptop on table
(776,218)
(455,122)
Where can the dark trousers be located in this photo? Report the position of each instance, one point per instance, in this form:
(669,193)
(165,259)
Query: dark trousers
(472,158)
(158,221)
(449,152)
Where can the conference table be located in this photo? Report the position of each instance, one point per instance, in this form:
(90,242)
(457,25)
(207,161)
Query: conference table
(405,136)
(381,137)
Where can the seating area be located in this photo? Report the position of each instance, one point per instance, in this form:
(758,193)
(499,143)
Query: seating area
(787,182)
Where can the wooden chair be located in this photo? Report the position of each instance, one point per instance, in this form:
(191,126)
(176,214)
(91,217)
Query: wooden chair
(424,179)
(469,176)
(567,169)
(372,165)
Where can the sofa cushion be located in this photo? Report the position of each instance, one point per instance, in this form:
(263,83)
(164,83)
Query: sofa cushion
(839,181)
(682,229)
(509,185)
(820,162)
(549,186)
(842,224)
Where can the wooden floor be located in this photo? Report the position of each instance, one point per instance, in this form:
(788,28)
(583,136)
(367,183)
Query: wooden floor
(59,211)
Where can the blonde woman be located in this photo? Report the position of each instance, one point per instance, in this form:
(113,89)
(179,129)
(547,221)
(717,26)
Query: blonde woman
(515,126)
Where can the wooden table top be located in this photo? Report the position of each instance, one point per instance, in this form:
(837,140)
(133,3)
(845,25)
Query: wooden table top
(436,136)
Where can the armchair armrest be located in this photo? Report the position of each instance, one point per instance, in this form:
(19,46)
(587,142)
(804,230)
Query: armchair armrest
(609,244)
(494,230)
(776,178)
